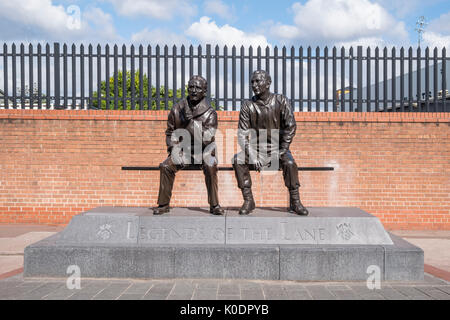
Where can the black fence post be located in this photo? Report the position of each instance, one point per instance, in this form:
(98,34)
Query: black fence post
(427,79)
(350,60)
(233,78)
(242,68)
(385,86)
(217,81)
(444,81)
(342,109)
(65,75)
(325,77)
(30,76)
(368,93)
(90,76)
(250,71)
(410,85)
(39,76)
(393,77)
(141,77)
(158,84)
(74,77)
(22,76)
(309,78)
(183,71)
(317,59)
(5,76)
(359,79)
(107,76)
(56,65)
(82,77)
(47,76)
(335,102)
(377,79)
(166,77)
(174,75)
(435,80)
(225,77)
(208,69)
(116,77)
(418,82)
(292,65)
(275,69)
(149,77)
(283,71)
(402,79)
(133,79)
(300,78)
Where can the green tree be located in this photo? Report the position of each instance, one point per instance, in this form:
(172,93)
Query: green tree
(145,93)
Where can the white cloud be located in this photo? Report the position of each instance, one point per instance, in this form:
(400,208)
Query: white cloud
(158,36)
(217,7)
(208,32)
(433,39)
(365,42)
(37,20)
(440,25)
(403,8)
(41,14)
(101,23)
(159,9)
(331,21)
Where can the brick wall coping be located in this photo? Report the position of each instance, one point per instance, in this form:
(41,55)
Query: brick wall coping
(161,115)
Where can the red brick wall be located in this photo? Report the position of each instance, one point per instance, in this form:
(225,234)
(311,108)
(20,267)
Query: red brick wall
(55,164)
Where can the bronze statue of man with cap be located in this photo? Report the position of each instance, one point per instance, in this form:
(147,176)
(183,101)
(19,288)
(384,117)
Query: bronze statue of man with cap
(270,114)
(195,120)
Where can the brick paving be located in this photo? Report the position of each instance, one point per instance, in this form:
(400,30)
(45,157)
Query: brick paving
(18,288)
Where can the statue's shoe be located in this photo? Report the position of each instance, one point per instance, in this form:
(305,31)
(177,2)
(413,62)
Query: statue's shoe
(247,207)
(216,210)
(161,209)
(297,208)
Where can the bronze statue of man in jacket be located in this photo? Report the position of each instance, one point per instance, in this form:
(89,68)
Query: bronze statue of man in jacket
(270,118)
(190,133)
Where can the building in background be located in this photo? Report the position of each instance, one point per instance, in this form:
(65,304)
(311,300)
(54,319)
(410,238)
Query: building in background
(418,101)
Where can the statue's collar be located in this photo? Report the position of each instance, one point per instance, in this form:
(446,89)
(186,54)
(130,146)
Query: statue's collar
(262,102)
(200,108)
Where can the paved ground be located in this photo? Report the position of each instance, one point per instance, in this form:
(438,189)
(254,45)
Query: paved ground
(14,238)
(16,287)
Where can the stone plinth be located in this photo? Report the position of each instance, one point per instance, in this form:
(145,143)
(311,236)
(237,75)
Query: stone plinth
(130,242)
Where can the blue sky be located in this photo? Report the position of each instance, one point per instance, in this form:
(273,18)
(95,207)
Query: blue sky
(244,22)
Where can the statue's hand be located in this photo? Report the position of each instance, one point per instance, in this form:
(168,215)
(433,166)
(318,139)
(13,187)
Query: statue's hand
(282,152)
(258,165)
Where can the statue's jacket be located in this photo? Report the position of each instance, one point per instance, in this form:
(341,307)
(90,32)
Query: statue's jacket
(275,113)
(200,121)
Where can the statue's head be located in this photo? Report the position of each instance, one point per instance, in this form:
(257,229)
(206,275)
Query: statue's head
(197,88)
(261,82)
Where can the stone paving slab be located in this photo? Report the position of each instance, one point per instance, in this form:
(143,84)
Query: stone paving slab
(299,295)
(229,289)
(205,294)
(434,293)
(15,245)
(320,293)
(130,296)
(10,262)
(139,288)
(17,287)
(41,291)
(89,291)
(252,294)
(113,291)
